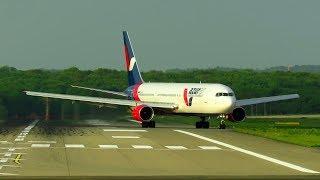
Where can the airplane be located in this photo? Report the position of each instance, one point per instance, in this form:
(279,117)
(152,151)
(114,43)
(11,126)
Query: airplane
(146,99)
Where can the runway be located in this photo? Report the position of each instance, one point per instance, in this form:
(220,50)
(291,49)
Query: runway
(127,150)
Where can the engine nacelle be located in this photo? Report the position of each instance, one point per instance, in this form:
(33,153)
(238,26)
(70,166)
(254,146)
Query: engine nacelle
(238,114)
(142,113)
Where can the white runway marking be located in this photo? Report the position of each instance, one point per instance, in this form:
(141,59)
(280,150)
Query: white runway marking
(12,153)
(267,158)
(8,174)
(8,154)
(176,147)
(26,130)
(48,142)
(125,137)
(104,146)
(3,160)
(125,130)
(209,147)
(74,145)
(1,166)
(13,149)
(5,142)
(40,145)
(142,147)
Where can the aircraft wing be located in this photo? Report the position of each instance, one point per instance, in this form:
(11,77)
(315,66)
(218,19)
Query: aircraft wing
(245,102)
(98,100)
(101,90)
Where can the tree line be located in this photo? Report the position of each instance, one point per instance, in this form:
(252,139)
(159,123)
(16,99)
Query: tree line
(14,104)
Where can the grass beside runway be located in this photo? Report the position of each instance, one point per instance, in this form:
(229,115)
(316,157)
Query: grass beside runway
(301,131)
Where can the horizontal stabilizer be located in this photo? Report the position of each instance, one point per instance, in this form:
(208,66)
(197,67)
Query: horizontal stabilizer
(246,102)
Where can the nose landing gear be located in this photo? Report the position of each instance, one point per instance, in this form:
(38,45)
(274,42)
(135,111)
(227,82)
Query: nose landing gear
(222,124)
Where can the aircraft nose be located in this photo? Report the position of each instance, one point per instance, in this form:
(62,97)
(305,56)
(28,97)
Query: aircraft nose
(229,103)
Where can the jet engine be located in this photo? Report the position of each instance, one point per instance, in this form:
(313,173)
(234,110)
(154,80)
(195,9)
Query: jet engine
(142,113)
(238,114)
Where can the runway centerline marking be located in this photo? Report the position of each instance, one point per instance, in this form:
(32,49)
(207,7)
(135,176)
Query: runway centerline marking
(125,137)
(209,147)
(40,145)
(48,142)
(267,158)
(74,145)
(106,146)
(125,130)
(142,147)
(176,147)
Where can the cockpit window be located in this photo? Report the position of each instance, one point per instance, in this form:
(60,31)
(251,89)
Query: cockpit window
(231,94)
(225,94)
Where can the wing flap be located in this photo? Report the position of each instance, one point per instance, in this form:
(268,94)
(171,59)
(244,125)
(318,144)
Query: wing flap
(246,102)
(101,90)
(120,102)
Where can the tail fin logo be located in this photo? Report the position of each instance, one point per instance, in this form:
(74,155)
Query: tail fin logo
(132,63)
(134,76)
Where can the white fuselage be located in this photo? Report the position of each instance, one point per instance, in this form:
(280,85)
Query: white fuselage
(190,97)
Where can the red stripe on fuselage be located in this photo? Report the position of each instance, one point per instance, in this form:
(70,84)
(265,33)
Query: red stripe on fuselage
(126,56)
(135,94)
(185,96)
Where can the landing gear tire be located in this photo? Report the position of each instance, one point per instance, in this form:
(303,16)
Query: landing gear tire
(152,124)
(148,124)
(222,125)
(198,124)
(205,124)
(202,124)
(145,124)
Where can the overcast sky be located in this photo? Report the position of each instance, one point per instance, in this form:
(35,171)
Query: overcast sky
(166,34)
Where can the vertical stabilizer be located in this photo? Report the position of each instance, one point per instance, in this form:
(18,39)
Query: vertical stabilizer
(134,76)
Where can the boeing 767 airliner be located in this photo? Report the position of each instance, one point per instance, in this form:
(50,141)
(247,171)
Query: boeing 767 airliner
(148,99)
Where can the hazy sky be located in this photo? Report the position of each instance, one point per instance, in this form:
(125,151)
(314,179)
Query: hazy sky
(166,34)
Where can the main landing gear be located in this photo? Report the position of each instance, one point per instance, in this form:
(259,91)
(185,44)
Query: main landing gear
(148,124)
(202,123)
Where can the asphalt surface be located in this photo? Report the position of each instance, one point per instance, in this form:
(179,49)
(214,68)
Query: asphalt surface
(124,149)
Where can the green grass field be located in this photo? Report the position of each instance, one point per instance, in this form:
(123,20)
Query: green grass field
(301,131)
